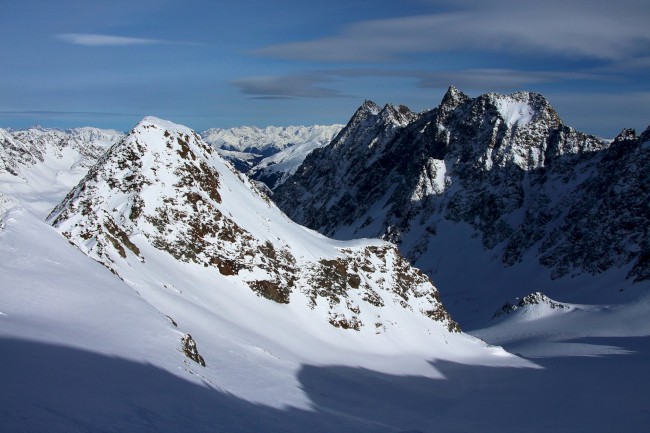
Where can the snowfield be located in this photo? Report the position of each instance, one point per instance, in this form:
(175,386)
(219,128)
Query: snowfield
(92,340)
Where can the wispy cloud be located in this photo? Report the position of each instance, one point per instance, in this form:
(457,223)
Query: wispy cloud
(97,40)
(598,29)
(500,79)
(287,86)
(308,84)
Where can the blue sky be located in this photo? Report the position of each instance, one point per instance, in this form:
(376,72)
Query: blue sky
(286,62)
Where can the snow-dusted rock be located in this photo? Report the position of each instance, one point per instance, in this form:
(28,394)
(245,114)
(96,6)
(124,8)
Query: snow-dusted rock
(506,165)
(163,191)
(537,298)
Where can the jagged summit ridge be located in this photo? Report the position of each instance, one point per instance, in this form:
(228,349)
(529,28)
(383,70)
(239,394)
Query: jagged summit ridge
(506,165)
(452,99)
(520,108)
(368,108)
(163,192)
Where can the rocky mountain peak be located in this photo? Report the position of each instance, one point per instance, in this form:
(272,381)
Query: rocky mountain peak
(505,165)
(368,108)
(452,99)
(163,193)
(627,134)
(400,116)
(532,299)
(148,182)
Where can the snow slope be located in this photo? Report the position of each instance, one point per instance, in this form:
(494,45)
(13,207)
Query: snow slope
(39,165)
(82,351)
(515,109)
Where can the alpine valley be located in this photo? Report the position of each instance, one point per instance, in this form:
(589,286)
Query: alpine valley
(148,285)
(269,154)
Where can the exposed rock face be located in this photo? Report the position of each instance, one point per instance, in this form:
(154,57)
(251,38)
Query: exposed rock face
(506,165)
(163,187)
(188,346)
(536,298)
(608,214)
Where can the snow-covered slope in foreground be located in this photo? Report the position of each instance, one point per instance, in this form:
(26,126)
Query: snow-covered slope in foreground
(81,351)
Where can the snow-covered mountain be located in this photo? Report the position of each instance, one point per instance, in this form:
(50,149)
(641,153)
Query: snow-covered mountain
(209,311)
(538,326)
(273,151)
(162,193)
(267,141)
(497,180)
(246,146)
(273,170)
(27,147)
(40,165)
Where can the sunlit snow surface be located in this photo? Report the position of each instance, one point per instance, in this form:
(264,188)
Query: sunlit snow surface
(82,350)
(515,112)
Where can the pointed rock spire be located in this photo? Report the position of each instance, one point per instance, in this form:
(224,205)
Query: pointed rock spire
(452,99)
(368,107)
(627,134)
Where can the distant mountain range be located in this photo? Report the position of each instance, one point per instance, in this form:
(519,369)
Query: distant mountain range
(29,147)
(249,146)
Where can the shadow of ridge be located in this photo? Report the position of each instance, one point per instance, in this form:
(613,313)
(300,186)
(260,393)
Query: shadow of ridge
(604,394)
(59,389)
(56,389)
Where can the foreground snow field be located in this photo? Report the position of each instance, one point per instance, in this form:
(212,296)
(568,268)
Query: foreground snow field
(82,349)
